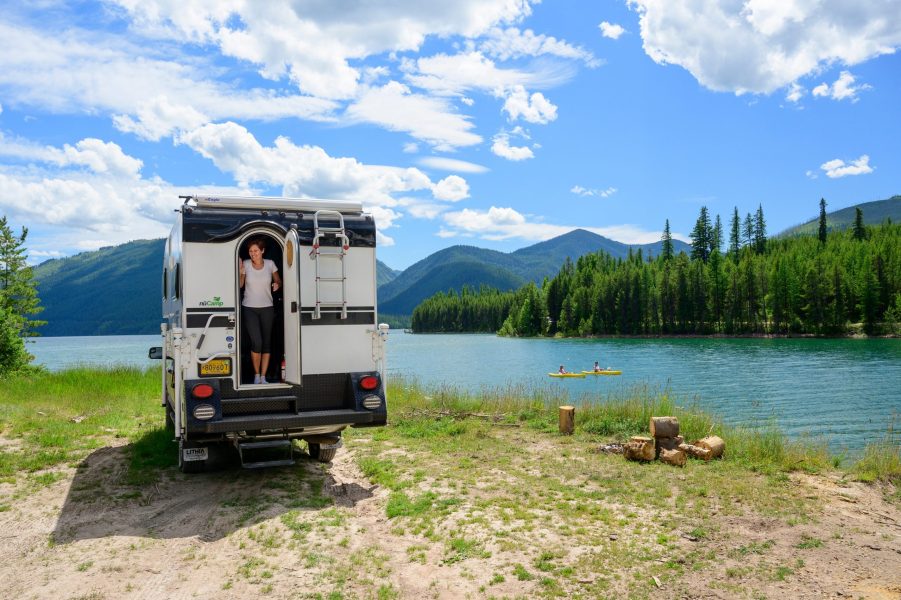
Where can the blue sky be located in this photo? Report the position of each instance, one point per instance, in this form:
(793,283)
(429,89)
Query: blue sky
(495,123)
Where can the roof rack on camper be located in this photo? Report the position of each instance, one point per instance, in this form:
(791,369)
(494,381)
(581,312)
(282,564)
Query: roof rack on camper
(269,203)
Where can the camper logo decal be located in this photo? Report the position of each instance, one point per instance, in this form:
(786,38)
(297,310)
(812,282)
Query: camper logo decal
(216,301)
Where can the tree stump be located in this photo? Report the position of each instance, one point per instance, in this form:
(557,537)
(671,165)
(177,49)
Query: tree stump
(695,451)
(667,443)
(639,450)
(673,457)
(664,427)
(715,444)
(567,419)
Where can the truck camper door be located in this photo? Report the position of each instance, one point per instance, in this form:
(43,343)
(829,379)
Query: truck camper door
(291,291)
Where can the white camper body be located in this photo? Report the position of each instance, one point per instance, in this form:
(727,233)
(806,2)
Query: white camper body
(327,359)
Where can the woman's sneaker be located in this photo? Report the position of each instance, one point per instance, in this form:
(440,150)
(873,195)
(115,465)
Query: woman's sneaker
(263,379)
(256,379)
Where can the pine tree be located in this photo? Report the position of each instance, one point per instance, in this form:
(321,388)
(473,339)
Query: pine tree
(18,291)
(716,237)
(735,236)
(700,237)
(748,230)
(822,230)
(667,240)
(859,232)
(759,231)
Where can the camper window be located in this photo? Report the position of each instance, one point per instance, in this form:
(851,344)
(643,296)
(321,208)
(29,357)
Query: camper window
(165,283)
(176,293)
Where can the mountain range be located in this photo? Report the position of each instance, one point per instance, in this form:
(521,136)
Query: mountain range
(116,290)
(456,266)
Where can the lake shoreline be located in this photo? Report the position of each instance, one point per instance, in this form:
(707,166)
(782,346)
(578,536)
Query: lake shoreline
(714,336)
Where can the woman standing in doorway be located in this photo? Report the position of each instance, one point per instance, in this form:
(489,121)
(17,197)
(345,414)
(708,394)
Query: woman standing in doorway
(259,278)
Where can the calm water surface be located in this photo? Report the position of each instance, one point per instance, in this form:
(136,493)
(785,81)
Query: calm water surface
(844,390)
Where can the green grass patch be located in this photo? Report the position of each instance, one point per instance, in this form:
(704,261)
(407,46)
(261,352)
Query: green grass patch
(400,505)
(61,416)
(881,461)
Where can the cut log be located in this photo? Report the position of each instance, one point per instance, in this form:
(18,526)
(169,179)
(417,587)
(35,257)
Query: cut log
(640,439)
(567,419)
(673,457)
(667,427)
(695,451)
(667,443)
(639,450)
(715,444)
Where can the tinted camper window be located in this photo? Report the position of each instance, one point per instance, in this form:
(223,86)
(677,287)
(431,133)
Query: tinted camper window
(165,282)
(176,293)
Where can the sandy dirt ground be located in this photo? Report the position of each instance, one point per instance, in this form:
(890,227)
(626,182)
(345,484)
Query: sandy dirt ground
(321,531)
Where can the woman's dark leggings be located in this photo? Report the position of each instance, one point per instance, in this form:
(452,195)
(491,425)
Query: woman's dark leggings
(258,323)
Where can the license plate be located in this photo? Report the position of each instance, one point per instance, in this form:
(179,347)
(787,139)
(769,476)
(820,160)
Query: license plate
(216,367)
(192,454)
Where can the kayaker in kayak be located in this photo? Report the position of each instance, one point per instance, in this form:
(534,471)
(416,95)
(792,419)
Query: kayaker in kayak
(597,368)
(563,371)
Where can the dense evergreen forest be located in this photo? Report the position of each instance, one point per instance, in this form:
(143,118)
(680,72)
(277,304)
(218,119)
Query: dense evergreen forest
(831,283)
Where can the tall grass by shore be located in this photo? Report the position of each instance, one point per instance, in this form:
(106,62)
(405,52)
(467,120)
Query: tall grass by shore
(51,418)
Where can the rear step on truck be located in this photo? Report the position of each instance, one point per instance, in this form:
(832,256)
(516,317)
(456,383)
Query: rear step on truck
(265,446)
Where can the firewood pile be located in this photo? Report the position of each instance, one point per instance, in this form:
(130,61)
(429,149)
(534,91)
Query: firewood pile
(667,445)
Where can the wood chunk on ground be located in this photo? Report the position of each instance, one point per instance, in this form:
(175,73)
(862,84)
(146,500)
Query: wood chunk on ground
(643,451)
(695,451)
(715,444)
(664,427)
(673,457)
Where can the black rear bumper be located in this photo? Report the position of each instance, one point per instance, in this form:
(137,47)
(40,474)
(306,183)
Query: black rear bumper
(295,422)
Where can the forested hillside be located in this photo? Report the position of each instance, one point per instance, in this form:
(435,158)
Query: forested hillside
(793,285)
(874,213)
(114,290)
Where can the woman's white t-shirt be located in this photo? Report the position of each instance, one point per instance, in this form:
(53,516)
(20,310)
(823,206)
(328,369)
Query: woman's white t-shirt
(258,284)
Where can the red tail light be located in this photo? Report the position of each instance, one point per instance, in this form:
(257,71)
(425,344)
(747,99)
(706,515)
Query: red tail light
(202,391)
(369,383)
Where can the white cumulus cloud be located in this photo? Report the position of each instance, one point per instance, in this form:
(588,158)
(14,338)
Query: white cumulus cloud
(588,192)
(452,188)
(838,168)
(611,30)
(432,120)
(842,89)
(759,46)
(534,109)
(315,44)
(311,171)
(795,93)
(90,72)
(501,147)
(510,42)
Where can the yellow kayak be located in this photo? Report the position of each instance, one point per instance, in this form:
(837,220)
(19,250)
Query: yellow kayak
(566,374)
(604,372)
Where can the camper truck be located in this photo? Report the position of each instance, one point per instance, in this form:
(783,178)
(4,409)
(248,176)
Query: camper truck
(327,358)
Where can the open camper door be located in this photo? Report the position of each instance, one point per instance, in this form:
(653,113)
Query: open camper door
(291,295)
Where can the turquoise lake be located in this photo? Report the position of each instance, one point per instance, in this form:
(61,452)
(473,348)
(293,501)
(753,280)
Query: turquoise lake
(847,391)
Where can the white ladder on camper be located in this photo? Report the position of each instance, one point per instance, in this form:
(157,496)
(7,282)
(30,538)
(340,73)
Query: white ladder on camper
(317,254)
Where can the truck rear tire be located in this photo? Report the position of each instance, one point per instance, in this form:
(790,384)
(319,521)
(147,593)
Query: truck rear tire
(323,456)
(189,466)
